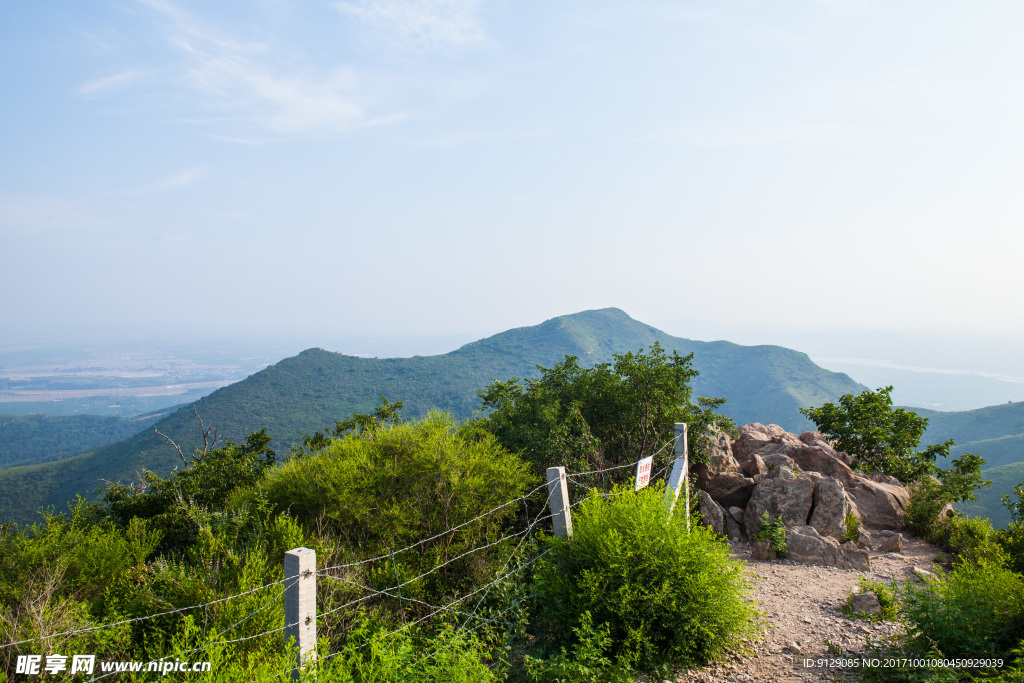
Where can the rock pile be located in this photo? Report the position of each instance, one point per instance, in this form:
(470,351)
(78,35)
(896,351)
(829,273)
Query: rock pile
(806,482)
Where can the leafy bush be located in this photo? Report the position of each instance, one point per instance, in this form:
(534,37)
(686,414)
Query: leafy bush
(774,532)
(884,439)
(588,661)
(666,596)
(175,505)
(607,415)
(852,528)
(976,610)
(386,488)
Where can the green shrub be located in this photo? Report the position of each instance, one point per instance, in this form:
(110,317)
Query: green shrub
(774,532)
(852,528)
(976,610)
(386,488)
(667,596)
(924,507)
(588,661)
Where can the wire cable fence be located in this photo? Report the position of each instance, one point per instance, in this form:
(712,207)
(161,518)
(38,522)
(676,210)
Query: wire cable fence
(512,567)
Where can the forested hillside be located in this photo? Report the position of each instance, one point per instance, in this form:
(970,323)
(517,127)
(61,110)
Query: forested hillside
(313,389)
(29,439)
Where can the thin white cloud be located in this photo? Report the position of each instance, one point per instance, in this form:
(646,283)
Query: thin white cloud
(249,85)
(115,82)
(418,25)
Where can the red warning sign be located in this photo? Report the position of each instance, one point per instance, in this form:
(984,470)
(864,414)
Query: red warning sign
(643,472)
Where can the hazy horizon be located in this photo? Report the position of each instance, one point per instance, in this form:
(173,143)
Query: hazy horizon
(405,167)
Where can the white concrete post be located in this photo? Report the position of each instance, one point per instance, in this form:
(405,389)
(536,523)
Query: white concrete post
(558,495)
(679,477)
(300,604)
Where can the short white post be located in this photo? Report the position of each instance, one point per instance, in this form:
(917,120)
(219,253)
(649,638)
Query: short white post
(558,495)
(679,477)
(300,605)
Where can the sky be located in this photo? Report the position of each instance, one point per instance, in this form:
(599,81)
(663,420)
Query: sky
(402,167)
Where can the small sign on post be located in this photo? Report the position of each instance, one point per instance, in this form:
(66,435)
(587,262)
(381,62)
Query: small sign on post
(643,472)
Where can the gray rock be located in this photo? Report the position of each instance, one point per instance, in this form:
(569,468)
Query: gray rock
(831,506)
(774,461)
(863,539)
(890,544)
(727,488)
(923,574)
(805,544)
(734,529)
(880,505)
(762,551)
(755,466)
(782,472)
(711,513)
(790,498)
(865,603)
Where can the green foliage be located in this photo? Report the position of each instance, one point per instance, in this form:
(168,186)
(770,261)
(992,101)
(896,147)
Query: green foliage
(603,416)
(967,538)
(774,532)
(852,528)
(26,439)
(667,597)
(177,505)
(588,661)
(881,438)
(305,393)
(385,488)
(962,479)
(886,598)
(374,655)
(976,610)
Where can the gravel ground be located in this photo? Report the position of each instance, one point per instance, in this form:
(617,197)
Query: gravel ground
(801,605)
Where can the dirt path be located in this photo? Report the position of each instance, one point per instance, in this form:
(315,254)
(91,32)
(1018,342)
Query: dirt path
(801,605)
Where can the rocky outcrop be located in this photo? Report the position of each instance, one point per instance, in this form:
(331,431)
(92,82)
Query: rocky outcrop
(734,523)
(804,480)
(804,544)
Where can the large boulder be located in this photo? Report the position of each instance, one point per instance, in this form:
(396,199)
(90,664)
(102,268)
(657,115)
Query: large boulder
(722,476)
(711,513)
(831,506)
(786,494)
(728,488)
(761,439)
(804,544)
(881,506)
(878,500)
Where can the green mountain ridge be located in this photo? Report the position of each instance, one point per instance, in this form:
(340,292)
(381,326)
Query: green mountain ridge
(313,389)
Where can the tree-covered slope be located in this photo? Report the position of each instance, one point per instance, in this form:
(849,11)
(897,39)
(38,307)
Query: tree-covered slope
(313,389)
(989,503)
(29,439)
(996,433)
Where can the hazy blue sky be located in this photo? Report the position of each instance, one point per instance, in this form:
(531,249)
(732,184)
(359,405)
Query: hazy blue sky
(430,166)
